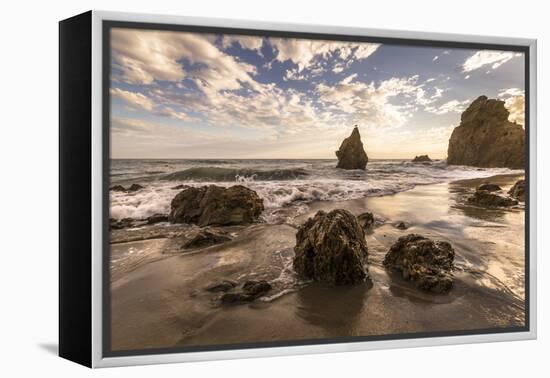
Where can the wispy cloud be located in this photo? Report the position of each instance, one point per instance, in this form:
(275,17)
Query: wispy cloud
(483,58)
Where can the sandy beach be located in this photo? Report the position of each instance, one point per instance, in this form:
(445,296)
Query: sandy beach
(158,299)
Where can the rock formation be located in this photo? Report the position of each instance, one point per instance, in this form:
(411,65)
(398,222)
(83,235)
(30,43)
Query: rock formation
(518,190)
(485,137)
(351,154)
(429,264)
(421,159)
(331,248)
(215,205)
(487,199)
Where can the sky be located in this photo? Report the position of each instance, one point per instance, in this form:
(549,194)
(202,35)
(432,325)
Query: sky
(196,95)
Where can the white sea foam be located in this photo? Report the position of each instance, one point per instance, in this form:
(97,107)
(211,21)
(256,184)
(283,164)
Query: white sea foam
(322,182)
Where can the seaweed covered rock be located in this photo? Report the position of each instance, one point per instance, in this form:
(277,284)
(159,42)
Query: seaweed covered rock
(421,159)
(351,154)
(518,190)
(331,248)
(426,262)
(486,138)
(487,199)
(215,205)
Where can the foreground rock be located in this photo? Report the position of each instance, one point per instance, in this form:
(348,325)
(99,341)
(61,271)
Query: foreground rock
(215,205)
(518,190)
(421,159)
(251,290)
(351,154)
(206,238)
(426,262)
(331,248)
(401,226)
(489,187)
(487,199)
(485,137)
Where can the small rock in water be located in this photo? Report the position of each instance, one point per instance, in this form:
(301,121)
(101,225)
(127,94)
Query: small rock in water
(206,238)
(366,220)
(421,159)
(401,226)
(181,187)
(135,188)
(224,286)
(251,290)
(157,218)
(256,288)
(488,199)
(429,264)
(518,190)
(489,187)
(331,248)
(117,188)
(115,224)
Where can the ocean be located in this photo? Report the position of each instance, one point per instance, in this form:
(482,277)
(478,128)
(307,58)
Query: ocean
(282,183)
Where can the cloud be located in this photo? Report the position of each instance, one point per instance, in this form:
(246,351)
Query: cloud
(145,56)
(132,99)
(245,41)
(453,106)
(487,57)
(303,52)
(435,58)
(514,101)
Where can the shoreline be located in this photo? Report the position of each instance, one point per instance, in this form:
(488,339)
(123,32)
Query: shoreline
(162,302)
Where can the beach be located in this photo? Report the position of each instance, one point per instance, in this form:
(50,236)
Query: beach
(158,296)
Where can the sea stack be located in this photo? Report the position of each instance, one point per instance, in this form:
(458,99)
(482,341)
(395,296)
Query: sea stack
(351,154)
(486,138)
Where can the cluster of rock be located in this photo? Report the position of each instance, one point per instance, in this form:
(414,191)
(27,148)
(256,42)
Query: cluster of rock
(486,138)
(331,248)
(206,238)
(489,195)
(250,291)
(426,262)
(216,205)
(421,159)
(351,154)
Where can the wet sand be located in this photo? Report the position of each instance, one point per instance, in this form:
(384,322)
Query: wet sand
(158,300)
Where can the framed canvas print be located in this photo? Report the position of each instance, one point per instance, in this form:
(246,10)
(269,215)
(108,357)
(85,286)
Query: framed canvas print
(233,189)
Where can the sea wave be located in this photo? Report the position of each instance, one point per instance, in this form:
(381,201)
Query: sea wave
(233,174)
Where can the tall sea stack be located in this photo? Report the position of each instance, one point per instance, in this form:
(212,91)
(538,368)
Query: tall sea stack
(351,154)
(486,138)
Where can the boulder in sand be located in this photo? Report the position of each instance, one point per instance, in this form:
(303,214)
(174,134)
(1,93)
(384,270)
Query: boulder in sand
(518,190)
(426,262)
(351,154)
(215,205)
(487,199)
(486,138)
(421,159)
(331,248)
